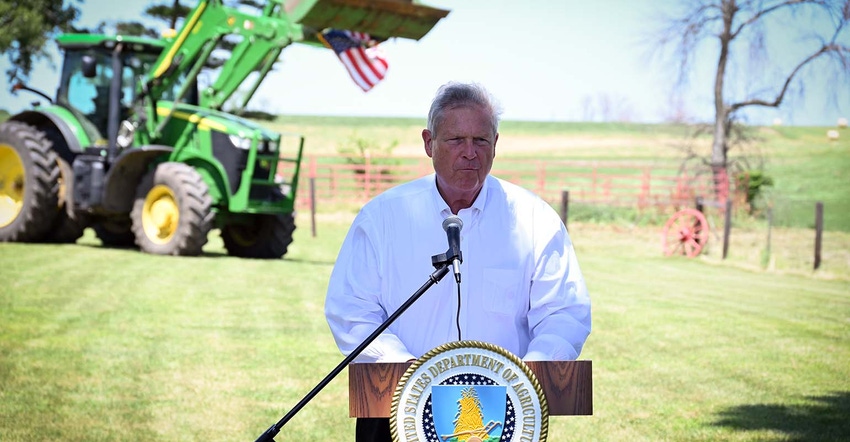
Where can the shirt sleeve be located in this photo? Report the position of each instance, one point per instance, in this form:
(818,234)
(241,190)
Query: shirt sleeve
(353,303)
(559,311)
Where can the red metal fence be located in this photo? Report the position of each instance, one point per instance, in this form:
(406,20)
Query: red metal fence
(641,185)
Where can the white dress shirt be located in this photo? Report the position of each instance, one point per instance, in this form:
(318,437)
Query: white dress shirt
(521,288)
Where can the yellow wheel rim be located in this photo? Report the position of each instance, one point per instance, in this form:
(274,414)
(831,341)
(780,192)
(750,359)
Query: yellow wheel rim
(12,179)
(242,236)
(161,214)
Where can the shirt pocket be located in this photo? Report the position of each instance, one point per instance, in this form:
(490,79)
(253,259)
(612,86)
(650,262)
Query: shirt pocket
(502,291)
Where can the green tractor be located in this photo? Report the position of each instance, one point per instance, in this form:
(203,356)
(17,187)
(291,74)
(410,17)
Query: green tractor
(133,148)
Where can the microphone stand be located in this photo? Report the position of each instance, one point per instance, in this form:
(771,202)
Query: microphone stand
(441,263)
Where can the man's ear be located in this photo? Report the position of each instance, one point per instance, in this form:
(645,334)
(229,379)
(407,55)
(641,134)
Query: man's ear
(426,138)
(495,140)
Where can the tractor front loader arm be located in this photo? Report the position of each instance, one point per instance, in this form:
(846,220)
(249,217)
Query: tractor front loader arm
(262,38)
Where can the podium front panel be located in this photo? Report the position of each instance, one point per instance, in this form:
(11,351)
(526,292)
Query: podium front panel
(567,386)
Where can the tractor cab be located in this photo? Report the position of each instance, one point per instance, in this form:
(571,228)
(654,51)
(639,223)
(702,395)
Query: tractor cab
(86,80)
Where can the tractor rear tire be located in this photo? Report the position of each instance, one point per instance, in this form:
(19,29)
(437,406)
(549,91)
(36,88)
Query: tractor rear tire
(65,229)
(172,213)
(116,233)
(266,237)
(29,186)
(68,226)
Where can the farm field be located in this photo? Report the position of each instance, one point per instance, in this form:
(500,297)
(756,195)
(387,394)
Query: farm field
(804,165)
(103,344)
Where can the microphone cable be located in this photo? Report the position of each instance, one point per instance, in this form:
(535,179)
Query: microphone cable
(457,320)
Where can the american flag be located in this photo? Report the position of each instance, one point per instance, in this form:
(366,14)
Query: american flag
(359,54)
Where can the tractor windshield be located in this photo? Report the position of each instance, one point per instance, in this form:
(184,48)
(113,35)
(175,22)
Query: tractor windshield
(88,97)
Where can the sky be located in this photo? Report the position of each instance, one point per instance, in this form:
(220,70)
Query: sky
(555,60)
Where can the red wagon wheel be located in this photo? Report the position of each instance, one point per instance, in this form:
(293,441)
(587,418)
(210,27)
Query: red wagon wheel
(685,233)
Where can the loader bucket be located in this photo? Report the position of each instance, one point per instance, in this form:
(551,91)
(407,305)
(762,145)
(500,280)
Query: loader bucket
(382,19)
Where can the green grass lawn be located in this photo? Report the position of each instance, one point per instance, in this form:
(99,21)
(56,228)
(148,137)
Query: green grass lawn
(111,344)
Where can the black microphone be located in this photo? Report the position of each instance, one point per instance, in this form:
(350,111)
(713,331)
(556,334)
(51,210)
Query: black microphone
(452,226)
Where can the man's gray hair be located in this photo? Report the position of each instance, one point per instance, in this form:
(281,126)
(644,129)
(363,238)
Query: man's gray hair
(453,95)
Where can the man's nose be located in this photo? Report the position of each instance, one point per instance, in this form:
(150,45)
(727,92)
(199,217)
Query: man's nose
(468,149)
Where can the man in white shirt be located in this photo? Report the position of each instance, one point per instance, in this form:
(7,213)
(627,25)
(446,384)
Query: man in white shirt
(522,287)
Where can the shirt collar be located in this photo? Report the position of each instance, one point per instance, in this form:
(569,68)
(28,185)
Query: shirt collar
(477,205)
(481,200)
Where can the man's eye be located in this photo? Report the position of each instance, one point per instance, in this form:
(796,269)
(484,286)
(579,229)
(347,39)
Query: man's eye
(482,142)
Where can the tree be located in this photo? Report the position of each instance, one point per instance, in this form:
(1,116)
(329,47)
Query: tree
(131,28)
(169,14)
(747,21)
(28,26)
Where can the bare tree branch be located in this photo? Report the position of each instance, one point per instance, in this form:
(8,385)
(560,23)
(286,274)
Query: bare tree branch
(763,12)
(781,95)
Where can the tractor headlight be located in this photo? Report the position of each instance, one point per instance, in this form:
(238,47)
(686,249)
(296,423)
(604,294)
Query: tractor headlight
(125,134)
(240,142)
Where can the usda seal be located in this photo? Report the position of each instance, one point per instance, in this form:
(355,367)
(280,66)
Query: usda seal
(469,391)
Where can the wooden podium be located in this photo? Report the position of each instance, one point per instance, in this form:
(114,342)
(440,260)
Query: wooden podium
(567,386)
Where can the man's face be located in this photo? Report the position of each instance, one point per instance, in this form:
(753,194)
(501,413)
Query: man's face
(462,151)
